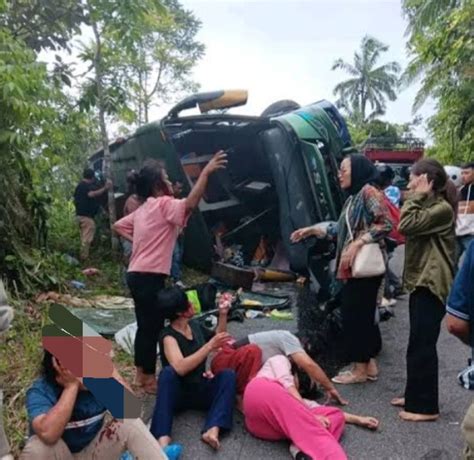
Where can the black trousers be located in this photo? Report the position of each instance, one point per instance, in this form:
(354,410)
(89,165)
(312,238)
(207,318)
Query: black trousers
(426,314)
(144,288)
(362,336)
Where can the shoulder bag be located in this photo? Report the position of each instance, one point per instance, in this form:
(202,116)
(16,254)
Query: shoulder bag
(369,261)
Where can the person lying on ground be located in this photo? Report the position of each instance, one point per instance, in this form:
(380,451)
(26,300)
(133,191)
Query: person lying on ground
(183,382)
(246,356)
(153,230)
(67,422)
(274,409)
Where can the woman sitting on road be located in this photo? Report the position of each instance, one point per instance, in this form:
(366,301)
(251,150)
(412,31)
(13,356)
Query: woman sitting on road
(184,383)
(369,220)
(274,410)
(153,230)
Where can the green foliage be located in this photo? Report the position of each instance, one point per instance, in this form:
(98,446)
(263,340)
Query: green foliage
(43,143)
(370,84)
(380,129)
(43,24)
(166,54)
(442,46)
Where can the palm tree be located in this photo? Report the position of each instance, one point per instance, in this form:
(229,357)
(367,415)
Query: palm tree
(370,85)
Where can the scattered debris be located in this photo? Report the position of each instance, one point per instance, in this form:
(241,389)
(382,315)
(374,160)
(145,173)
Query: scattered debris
(277,314)
(105,302)
(91,271)
(252,314)
(105,322)
(77,284)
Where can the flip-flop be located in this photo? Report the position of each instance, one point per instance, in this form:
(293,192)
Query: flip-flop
(372,378)
(348,378)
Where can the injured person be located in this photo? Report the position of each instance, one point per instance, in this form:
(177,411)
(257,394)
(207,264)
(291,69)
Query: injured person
(246,356)
(67,422)
(275,410)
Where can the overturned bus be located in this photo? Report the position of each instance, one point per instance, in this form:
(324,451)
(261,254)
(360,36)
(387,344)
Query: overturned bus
(281,175)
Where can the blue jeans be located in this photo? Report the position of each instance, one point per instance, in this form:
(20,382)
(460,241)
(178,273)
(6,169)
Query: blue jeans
(464,242)
(216,396)
(176,261)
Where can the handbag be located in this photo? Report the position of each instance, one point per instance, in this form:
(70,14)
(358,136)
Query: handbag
(369,261)
(465,220)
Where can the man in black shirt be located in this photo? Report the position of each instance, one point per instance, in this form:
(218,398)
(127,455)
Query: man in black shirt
(465,221)
(87,206)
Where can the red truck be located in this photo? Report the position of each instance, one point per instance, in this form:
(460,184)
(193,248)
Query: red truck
(399,153)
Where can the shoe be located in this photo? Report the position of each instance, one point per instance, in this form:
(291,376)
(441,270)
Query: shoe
(385,313)
(173,451)
(180,284)
(388,302)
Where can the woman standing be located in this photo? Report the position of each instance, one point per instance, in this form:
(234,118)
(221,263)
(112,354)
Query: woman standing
(428,222)
(366,213)
(153,229)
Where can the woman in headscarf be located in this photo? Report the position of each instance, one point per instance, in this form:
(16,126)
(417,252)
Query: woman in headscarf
(369,222)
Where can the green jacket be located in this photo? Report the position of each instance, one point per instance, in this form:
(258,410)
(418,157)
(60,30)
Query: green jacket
(428,224)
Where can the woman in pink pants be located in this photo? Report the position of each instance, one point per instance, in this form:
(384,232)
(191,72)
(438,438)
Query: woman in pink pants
(275,410)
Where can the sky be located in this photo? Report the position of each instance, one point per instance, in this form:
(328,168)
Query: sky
(284,49)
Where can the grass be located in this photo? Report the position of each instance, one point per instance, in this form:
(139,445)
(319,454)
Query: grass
(21,350)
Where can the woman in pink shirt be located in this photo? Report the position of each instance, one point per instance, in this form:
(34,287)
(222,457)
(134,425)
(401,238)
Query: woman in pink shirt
(153,229)
(274,410)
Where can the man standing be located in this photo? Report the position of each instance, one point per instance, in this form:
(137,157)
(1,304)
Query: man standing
(465,222)
(87,206)
(460,322)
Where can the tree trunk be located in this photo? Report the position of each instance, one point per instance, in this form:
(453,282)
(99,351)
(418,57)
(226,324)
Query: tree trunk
(103,131)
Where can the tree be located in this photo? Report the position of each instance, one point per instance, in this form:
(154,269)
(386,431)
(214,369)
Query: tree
(117,28)
(166,55)
(43,24)
(43,141)
(442,48)
(371,84)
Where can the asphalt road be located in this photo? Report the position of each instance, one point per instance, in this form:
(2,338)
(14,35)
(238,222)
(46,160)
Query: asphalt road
(395,439)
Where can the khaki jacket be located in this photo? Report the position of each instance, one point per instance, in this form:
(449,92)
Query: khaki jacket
(429,226)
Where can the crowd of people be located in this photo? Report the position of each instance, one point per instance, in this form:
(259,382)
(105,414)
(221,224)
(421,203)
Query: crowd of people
(263,374)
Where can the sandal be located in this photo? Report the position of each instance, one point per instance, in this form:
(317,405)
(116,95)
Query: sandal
(347,378)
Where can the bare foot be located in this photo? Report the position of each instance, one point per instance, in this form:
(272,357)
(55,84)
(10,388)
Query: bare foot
(211,437)
(368,422)
(372,370)
(411,417)
(150,387)
(398,402)
(164,441)
(147,382)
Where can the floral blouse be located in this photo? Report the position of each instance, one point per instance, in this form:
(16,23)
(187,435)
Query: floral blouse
(369,220)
